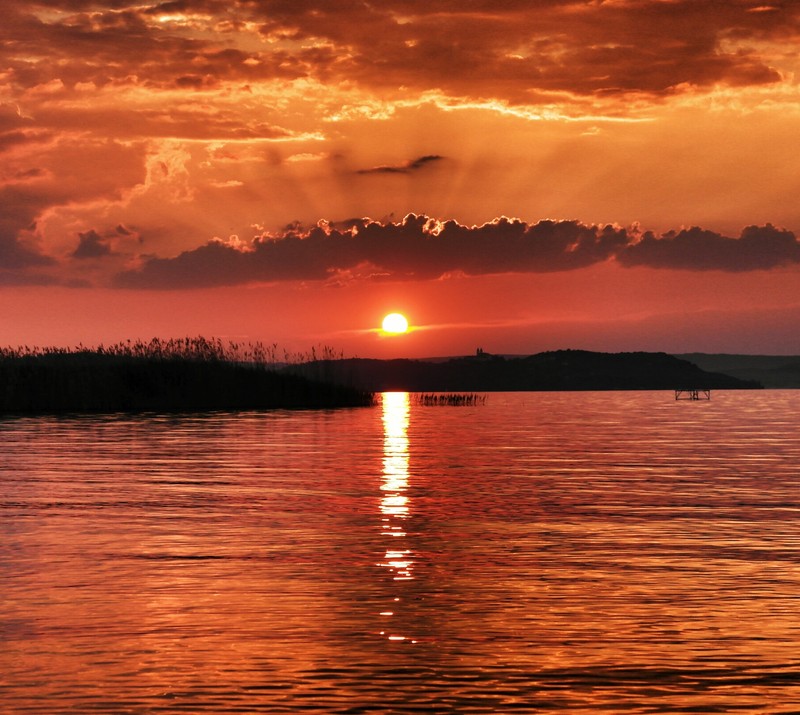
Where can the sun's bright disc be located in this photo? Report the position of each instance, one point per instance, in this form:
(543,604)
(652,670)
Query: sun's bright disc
(395,323)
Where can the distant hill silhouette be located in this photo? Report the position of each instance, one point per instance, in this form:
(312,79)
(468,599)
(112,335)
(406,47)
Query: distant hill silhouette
(775,371)
(557,370)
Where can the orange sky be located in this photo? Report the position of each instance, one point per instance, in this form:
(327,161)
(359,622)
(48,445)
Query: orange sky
(520,175)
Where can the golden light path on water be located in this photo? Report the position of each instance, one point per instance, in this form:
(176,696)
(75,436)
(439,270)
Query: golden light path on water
(395,504)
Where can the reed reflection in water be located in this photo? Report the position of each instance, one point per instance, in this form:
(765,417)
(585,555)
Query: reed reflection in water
(546,552)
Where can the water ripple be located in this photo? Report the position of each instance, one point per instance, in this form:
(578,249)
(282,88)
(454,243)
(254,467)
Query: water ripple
(544,552)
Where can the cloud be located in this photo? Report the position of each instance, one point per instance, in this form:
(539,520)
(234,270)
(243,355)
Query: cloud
(20,263)
(13,278)
(15,254)
(18,209)
(758,248)
(93,91)
(512,51)
(419,247)
(36,182)
(91,245)
(406,168)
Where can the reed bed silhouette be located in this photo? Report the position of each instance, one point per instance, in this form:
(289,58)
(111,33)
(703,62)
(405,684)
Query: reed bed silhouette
(179,374)
(452,399)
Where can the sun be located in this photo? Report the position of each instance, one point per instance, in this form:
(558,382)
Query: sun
(395,323)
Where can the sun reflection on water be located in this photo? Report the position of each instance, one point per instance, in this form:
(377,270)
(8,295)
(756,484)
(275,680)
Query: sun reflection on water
(395,504)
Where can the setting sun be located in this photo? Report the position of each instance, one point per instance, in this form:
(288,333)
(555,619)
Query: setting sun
(395,323)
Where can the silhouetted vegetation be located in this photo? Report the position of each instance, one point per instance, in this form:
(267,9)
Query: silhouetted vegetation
(449,399)
(186,374)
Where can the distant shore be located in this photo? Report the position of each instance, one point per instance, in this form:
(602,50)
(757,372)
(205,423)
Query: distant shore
(559,370)
(199,374)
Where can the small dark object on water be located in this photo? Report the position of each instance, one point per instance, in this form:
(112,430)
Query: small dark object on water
(693,394)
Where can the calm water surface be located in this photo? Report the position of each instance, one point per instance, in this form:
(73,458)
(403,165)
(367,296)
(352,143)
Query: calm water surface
(544,552)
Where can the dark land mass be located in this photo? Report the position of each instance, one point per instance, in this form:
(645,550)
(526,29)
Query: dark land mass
(558,370)
(203,376)
(774,371)
(92,382)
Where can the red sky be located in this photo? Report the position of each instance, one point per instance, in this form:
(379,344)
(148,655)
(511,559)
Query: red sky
(518,175)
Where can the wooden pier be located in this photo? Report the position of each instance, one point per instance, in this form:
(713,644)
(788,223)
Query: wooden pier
(692,394)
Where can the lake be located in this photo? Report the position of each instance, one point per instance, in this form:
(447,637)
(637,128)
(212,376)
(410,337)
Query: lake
(542,552)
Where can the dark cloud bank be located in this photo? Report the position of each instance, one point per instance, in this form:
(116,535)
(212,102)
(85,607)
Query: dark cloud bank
(511,49)
(419,247)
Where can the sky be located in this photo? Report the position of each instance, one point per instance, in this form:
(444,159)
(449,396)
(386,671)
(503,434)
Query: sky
(515,175)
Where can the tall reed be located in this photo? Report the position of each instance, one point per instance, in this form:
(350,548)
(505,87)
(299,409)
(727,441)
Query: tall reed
(192,373)
(451,399)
